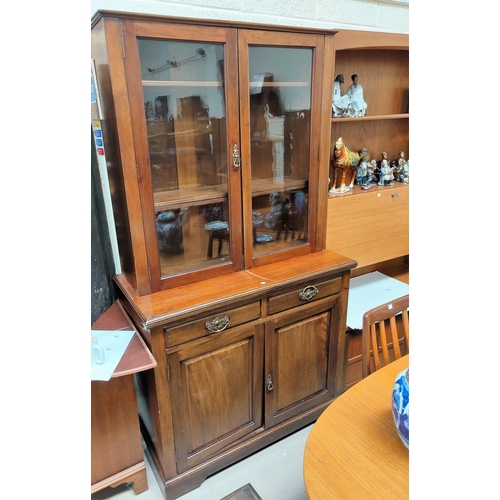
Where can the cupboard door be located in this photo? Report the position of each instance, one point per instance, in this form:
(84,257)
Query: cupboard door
(300,359)
(279,94)
(216,389)
(182,82)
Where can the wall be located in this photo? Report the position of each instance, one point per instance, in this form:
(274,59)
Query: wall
(370,15)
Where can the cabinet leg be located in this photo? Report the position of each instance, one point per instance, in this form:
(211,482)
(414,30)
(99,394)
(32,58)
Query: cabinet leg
(140,480)
(138,477)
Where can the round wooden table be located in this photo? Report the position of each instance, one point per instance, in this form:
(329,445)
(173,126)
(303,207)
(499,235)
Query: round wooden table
(353,450)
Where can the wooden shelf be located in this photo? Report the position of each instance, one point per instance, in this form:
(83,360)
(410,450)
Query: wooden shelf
(189,197)
(372,118)
(268,186)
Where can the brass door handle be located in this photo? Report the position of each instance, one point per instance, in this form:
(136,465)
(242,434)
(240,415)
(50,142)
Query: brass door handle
(270,385)
(236,157)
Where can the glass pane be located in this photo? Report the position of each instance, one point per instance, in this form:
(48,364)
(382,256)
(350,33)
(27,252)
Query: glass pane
(184,104)
(280,119)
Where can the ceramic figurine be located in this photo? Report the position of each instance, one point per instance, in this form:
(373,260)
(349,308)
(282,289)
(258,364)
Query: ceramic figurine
(365,177)
(341,104)
(355,93)
(406,170)
(398,166)
(386,177)
(343,158)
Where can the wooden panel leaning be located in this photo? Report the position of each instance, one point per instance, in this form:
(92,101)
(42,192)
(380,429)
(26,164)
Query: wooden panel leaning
(392,316)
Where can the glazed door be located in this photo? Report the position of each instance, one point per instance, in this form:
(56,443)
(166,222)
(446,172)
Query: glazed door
(279,97)
(216,391)
(182,82)
(300,359)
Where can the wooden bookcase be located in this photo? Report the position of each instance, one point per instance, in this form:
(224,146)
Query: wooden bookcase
(249,339)
(372,226)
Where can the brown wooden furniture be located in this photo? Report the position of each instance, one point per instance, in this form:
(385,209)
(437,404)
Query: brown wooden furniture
(377,324)
(187,143)
(372,226)
(243,360)
(246,492)
(116,450)
(354,450)
(212,125)
(220,126)
(354,352)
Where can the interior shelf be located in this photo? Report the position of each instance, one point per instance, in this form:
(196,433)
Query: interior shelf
(371,118)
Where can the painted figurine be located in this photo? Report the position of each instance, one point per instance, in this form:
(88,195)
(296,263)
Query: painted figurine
(355,93)
(343,159)
(406,169)
(365,176)
(398,167)
(386,176)
(341,104)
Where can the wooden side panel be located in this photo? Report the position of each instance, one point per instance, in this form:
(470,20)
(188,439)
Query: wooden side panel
(116,438)
(371,226)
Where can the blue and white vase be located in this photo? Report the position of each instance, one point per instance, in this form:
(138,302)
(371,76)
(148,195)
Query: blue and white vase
(401,405)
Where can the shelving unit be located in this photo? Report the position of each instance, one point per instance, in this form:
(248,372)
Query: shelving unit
(372,226)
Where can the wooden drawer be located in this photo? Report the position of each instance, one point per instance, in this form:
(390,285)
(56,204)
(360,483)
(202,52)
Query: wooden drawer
(211,324)
(293,298)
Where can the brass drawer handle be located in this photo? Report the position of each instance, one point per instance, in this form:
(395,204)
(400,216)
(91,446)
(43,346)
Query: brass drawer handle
(308,293)
(217,324)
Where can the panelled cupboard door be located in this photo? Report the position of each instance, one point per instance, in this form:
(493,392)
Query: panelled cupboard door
(183,94)
(300,359)
(216,390)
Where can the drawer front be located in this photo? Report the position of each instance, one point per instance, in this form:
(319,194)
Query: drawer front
(304,295)
(211,324)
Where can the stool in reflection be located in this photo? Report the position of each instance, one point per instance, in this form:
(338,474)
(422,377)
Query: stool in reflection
(217,230)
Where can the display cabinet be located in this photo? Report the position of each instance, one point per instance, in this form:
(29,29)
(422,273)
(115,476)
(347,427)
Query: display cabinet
(372,226)
(217,142)
(217,137)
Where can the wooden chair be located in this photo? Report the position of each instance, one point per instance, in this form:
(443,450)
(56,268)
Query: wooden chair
(376,322)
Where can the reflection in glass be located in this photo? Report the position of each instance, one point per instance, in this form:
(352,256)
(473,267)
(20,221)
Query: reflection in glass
(184,106)
(280,112)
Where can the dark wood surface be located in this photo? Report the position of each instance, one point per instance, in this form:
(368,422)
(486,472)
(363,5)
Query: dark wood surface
(137,356)
(184,400)
(116,446)
(246,492)
(115,35)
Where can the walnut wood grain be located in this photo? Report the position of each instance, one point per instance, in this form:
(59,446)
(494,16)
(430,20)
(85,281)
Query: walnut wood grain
(205,297)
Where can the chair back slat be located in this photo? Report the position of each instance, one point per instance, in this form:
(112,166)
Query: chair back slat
(395,338)
(381,332)
(406,326)
(383,341)
(373,336)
